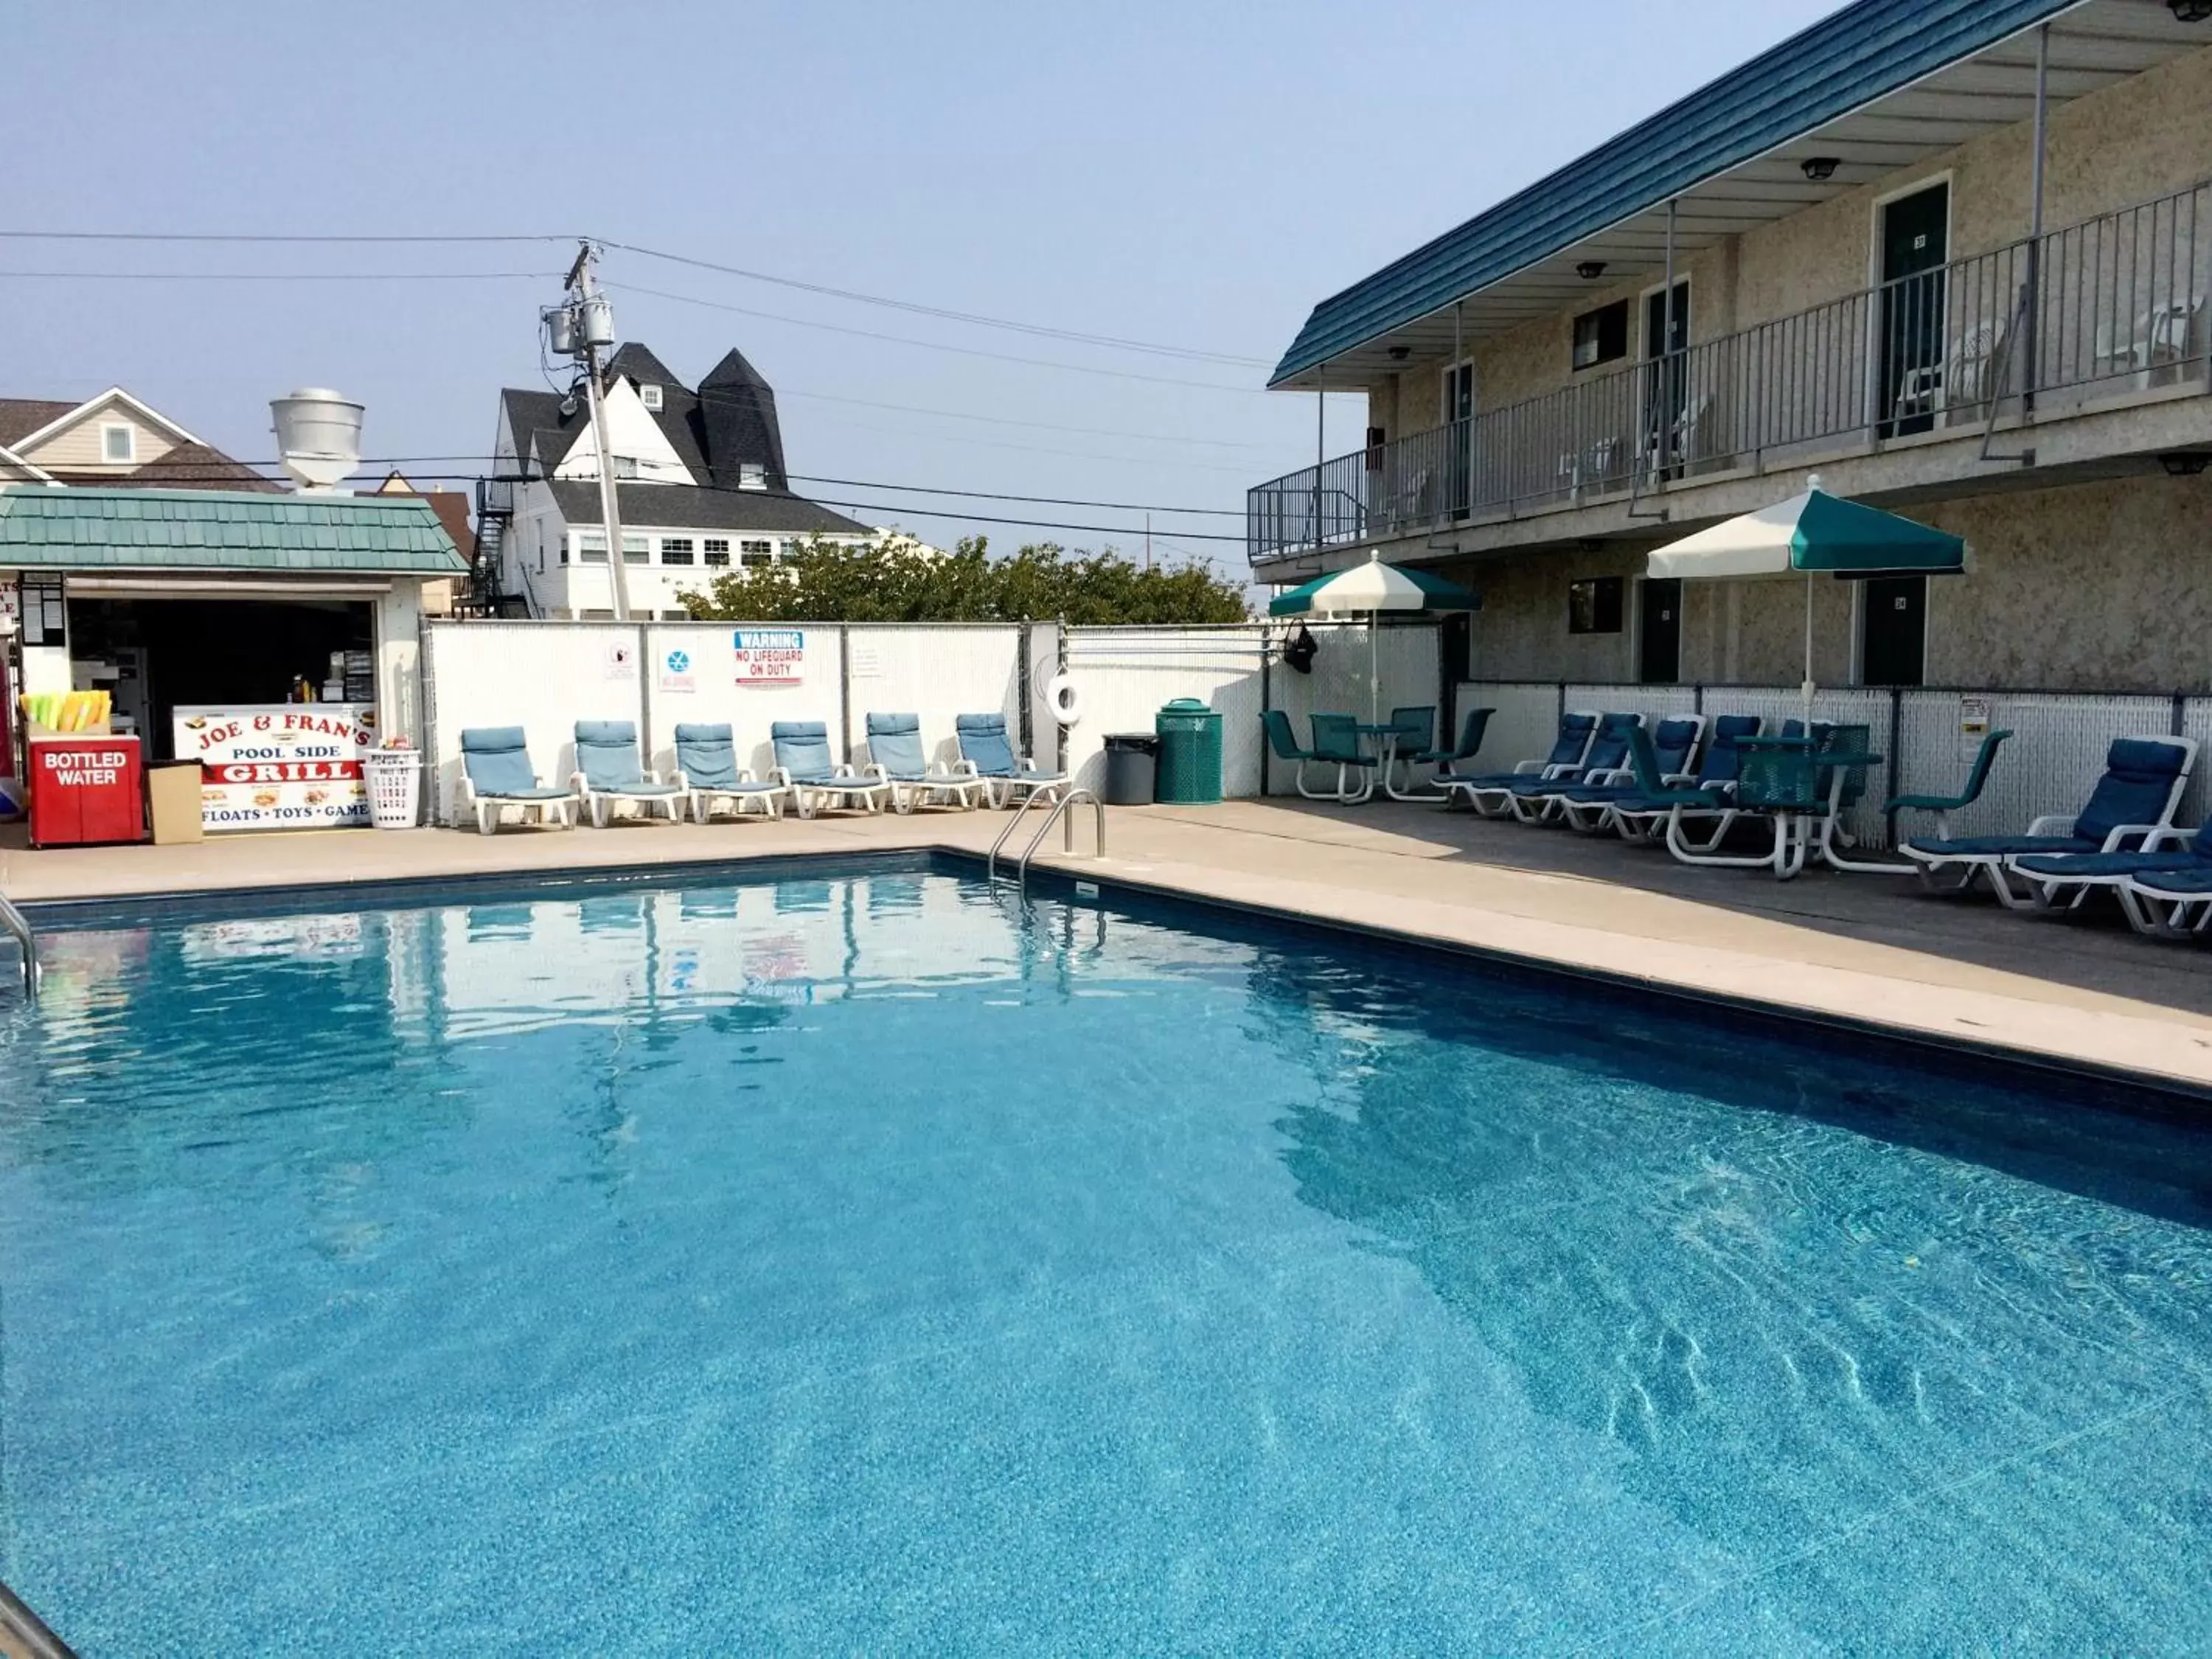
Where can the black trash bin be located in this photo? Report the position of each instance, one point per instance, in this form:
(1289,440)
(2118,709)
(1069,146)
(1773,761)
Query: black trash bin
(1130,760)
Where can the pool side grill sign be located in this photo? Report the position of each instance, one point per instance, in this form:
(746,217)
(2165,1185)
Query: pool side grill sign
(770,656)
(289,767)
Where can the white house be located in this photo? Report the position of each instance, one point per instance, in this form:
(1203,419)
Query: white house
(701,489)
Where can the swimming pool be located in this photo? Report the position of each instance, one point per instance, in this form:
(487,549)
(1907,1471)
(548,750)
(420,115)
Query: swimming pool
(864,1260)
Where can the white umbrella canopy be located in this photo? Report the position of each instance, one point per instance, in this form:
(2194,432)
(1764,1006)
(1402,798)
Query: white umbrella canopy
(1811,534)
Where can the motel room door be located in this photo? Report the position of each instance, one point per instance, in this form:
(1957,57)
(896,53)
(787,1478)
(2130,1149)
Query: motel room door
(1659,628)
(1893,631)
(1915,245)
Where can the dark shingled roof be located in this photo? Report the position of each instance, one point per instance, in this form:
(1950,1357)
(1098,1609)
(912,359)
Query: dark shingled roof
(682,506)
(739,408)
(187,466)
(22,416)
(530,414)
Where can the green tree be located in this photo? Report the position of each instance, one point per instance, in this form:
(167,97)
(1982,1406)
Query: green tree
(902,581)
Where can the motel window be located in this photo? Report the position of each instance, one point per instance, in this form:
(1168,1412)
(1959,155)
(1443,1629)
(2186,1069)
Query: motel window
(715,550)
(596,616)
(591,547)
(636,550)
(676,615)
(752,475)
(1602,336)
(752,554)
(676,549)
(118,444)
(1594,605)
(650,396)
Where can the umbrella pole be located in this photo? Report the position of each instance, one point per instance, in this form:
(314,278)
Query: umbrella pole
(1808,687)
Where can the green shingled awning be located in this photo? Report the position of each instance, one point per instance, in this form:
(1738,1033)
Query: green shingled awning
(96,529)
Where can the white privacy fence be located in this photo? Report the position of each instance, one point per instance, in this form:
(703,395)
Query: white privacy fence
(1126,674)
(1927,737)
(546,676)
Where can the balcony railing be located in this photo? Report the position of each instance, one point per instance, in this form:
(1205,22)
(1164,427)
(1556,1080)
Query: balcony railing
(2113,304)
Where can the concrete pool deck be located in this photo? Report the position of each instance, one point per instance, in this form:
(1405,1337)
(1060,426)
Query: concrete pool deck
(1870,948)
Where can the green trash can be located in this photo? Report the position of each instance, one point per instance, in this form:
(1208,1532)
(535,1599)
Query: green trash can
(1189,770)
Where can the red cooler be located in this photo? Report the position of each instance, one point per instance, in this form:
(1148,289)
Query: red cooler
(85,789)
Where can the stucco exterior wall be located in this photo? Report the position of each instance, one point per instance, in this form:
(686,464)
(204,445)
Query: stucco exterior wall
(2094,586)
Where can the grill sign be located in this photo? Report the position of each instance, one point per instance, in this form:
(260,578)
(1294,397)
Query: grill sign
(296,767)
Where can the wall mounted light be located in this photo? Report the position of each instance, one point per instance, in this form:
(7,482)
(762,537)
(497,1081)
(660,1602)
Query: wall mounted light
(1399,354)
(2186,462)
(2190,11)
(1590,269)
(1821,168)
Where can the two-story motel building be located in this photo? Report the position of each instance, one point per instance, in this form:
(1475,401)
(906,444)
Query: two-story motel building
(1953,255)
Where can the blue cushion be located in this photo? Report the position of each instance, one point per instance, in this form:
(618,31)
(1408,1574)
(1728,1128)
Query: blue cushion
(497,761)
(1673,742)
(895,745)
(802,749)
(983,741)
(1986,847)
(2180,883)
(606,754)
(707,756)
(2138,782)
(2077,866)
(1573,738)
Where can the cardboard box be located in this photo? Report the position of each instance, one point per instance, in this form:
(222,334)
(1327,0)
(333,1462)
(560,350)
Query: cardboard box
(173,801)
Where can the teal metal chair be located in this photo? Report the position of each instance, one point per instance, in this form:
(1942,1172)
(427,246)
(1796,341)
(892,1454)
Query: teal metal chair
(1336,742)
(1978,778)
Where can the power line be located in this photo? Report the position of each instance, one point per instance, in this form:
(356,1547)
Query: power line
(1039,329)
(280,276)
(993,495)
(254,236)
(933,345)
(1036,426)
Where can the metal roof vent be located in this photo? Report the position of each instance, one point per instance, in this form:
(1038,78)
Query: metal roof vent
(318,436)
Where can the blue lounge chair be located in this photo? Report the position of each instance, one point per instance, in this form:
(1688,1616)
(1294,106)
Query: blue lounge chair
(1534,800)
(497,776)
(707,770)
(2136,797)
(1489,793)
(894,752)
(608,772)
(1588,807)
(1007,777)
(1647,817)
(804,765)
(1978,778)
(2160,901)
(1796,792)
(2062,881)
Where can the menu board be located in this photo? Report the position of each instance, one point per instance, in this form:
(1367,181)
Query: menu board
(287,766)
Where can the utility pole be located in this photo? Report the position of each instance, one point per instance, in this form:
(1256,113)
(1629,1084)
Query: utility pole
(1148,544)
(595,328)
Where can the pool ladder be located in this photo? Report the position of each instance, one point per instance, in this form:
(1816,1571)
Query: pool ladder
(1058,815)
(12,921)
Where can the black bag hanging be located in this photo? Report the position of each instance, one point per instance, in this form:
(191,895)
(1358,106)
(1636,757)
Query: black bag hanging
(1299,651)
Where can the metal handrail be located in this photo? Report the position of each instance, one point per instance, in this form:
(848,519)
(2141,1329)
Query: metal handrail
(12,920)
(1058,813)
(1060,805)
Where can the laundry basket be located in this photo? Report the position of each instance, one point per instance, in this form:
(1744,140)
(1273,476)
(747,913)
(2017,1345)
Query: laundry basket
(395,787)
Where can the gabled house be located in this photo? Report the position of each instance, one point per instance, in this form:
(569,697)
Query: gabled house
(700,479)
(110,439)
(1954,255)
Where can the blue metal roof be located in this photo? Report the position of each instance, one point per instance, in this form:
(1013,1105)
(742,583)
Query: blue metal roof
(1860,53)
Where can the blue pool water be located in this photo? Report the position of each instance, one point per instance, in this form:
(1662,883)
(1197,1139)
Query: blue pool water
(866,1264)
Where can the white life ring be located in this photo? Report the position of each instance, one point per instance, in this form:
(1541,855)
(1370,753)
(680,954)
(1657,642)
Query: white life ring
(1066,700)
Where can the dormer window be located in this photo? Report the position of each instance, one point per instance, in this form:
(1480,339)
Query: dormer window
(650,396)
(752,475)
(118,445)
(625,466)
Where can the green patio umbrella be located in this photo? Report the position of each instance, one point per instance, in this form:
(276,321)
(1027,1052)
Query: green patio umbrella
(1369,590)
(1812,534)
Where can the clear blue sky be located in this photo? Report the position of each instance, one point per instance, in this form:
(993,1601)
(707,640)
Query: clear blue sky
(1197,175)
